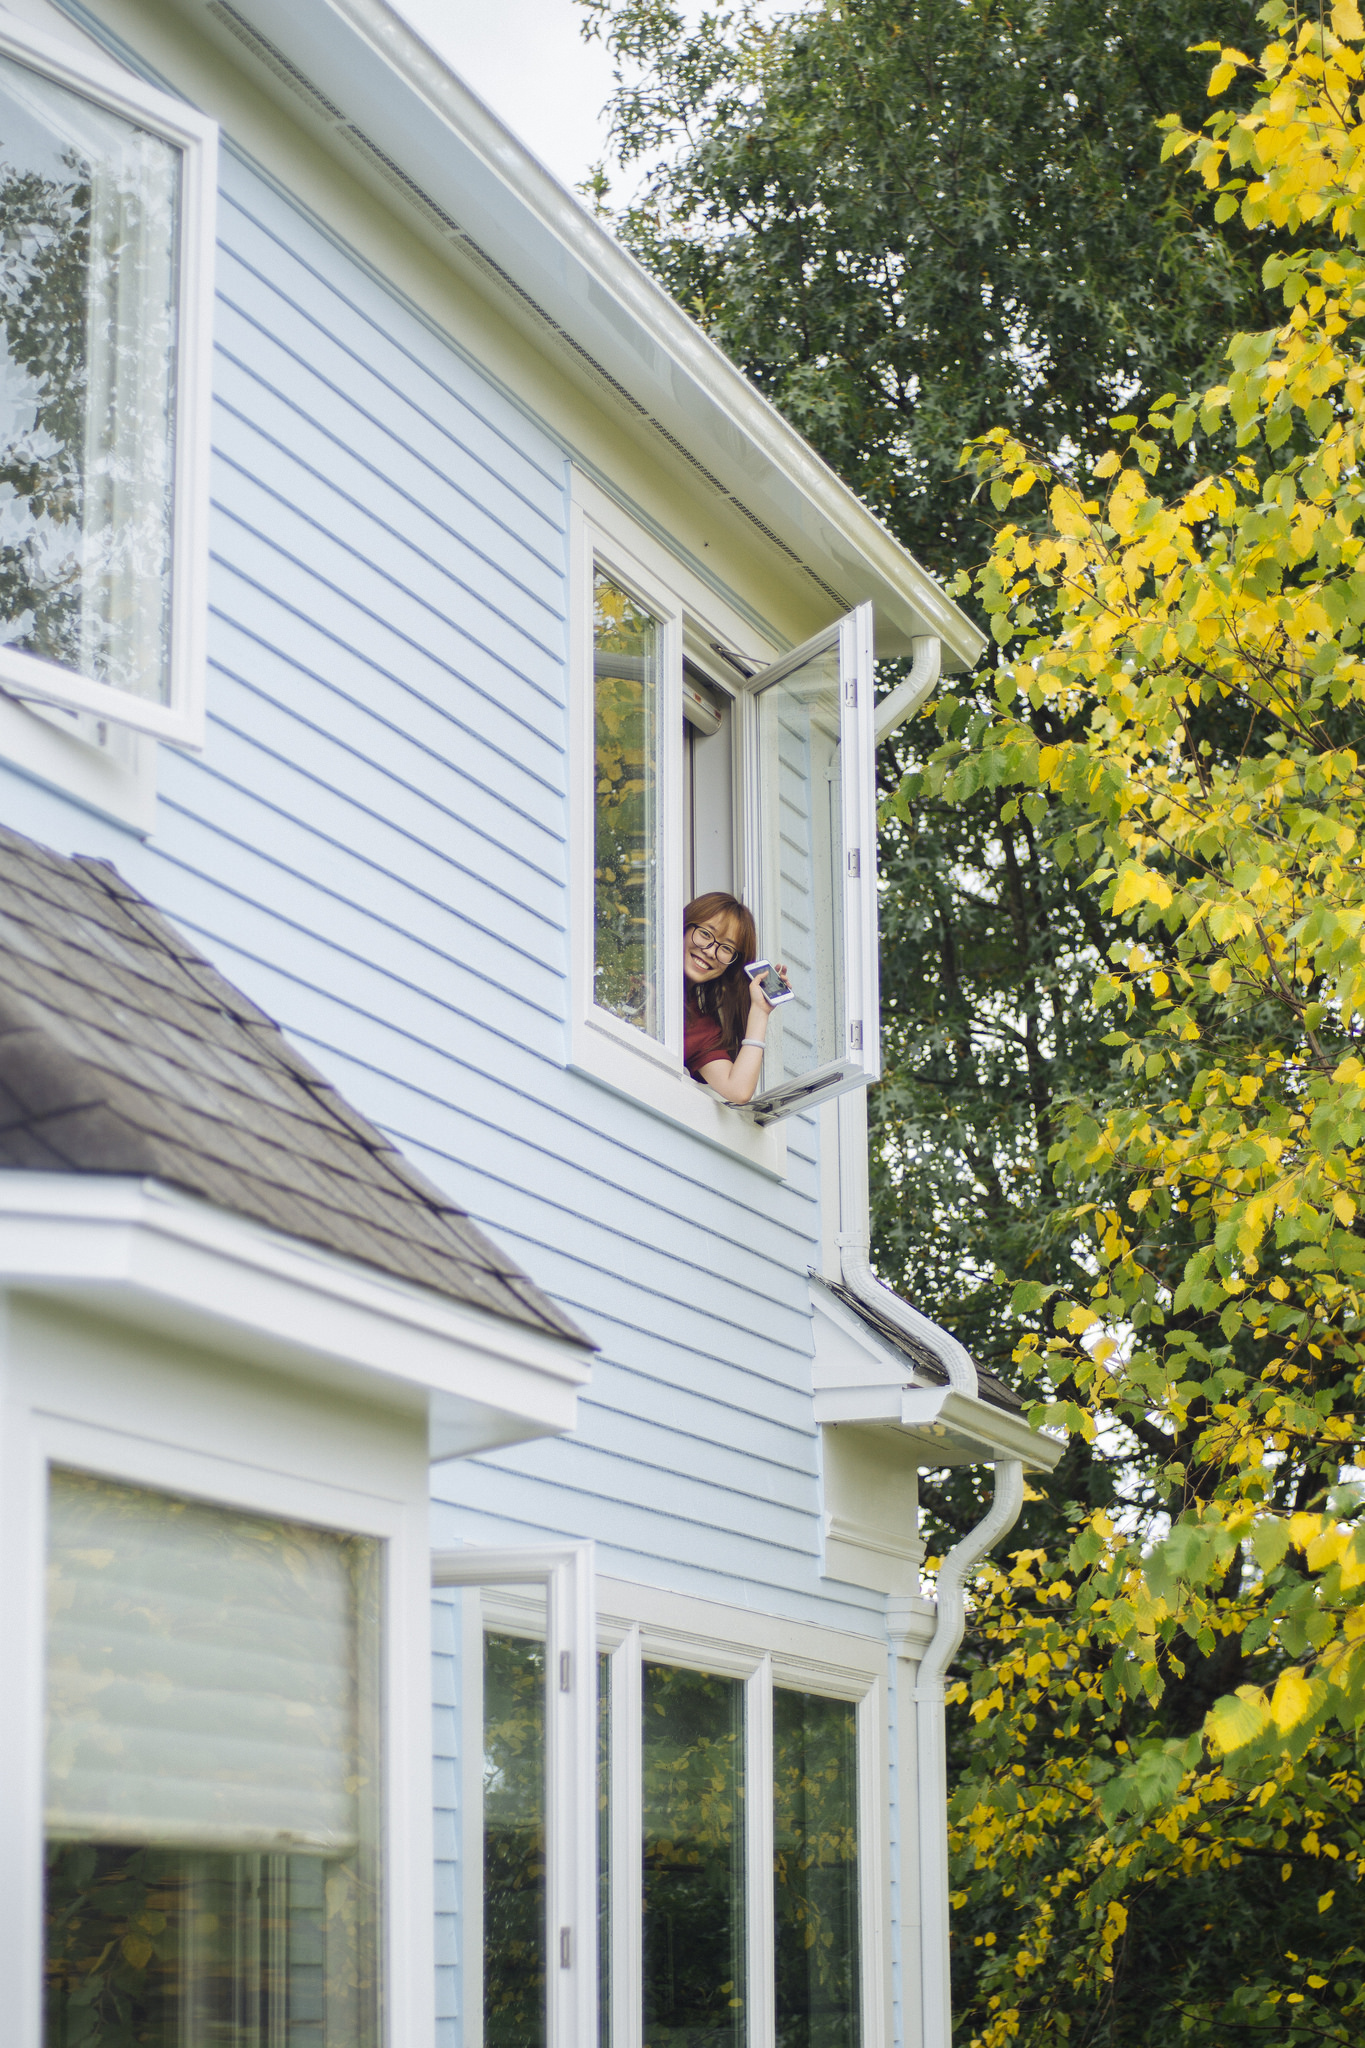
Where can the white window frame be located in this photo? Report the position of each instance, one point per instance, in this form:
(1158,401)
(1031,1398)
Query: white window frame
(566,1572)
(635,1623)
(860,1062)
(26,676)
(611,1053)
(219,1479)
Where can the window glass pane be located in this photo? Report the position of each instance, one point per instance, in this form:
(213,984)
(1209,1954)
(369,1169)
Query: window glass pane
(803,864)
(694,1922)
(88,225)
(513,1841)
(212,1776)
(815,1870)
(626,684)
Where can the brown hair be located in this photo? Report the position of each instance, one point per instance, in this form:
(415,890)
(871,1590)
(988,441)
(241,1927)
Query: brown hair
(727,997)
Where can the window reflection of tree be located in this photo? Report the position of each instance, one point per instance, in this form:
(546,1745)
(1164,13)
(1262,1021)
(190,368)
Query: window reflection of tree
(694,1923)
(514,1842)
(815,1870)
(44,272)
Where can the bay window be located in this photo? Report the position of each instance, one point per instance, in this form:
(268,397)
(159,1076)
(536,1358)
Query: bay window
(699,767)
(212,1777)
(107,193)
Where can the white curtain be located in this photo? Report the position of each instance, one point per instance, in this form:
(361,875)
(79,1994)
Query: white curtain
(207,1674)
(127,443)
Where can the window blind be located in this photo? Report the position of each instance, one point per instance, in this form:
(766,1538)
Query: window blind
(203,1680)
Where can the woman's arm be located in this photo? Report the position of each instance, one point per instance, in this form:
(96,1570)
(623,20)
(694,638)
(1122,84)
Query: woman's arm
(737,1079)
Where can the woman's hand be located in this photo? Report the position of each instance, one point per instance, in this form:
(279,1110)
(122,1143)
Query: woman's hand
(737,1080)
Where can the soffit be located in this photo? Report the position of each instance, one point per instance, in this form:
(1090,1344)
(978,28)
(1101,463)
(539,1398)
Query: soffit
(358,74)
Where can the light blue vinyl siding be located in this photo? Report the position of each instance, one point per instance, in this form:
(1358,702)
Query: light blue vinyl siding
(374,847)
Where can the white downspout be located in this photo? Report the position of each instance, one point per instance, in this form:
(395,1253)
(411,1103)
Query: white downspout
(907,697)
(931,1749)
(936,1991)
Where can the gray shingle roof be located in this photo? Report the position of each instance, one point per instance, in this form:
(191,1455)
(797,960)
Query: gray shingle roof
(123,1051)
(987,1385)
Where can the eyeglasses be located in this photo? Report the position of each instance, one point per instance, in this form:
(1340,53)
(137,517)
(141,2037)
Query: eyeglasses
(709,943)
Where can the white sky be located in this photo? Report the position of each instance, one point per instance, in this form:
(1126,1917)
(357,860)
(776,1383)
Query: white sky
(526,59)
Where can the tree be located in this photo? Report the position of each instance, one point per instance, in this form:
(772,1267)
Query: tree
(909,220)
(1172,1774)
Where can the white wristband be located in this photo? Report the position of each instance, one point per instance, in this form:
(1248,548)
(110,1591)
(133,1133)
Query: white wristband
(759,1042)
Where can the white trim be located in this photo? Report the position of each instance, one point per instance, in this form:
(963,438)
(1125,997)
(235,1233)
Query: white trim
(627,1834)
(196,137)
(140,1252)
(759,1916)
(574,286)
(859,1063)
(113,773)
(566,1572)
(647,1072)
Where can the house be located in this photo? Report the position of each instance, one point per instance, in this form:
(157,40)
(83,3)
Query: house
(406,611)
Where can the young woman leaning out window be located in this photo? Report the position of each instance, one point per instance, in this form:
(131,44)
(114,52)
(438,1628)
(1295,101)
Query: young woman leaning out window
(725,1015)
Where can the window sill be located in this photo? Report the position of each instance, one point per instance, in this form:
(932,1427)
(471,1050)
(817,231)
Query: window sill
(116,777)
(603,1057)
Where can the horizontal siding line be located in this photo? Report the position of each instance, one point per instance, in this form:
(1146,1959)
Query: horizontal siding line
(330,286)
(404,881)
(554,613)
(845,1598)
(352,404)
(501,1230)
(651,1471)
(563,1115)
(705,1399)
(327,1047)
(348,953)
(564,1486)
(407,1140)
(556,655)
(366,661)
(291,711)
(595,1445)
(560,1159)
(669,1383)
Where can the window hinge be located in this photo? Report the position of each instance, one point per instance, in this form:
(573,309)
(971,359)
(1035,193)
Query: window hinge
(855,861)
(565,1948)
(855,1036)
(851,690)
(565,1670)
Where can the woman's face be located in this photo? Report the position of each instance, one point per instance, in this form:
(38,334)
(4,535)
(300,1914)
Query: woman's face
(701,961)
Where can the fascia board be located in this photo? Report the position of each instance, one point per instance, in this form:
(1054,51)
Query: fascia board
(944,1426)
(439,136)
(144,1254)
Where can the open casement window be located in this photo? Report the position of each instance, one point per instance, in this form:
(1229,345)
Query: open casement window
(107,199)
(812,847)
(213,1816)
(530,1918)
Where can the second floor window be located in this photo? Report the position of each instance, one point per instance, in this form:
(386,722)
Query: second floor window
(105,241)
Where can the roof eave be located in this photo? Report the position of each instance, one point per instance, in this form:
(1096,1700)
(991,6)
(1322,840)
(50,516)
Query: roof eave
(397,97)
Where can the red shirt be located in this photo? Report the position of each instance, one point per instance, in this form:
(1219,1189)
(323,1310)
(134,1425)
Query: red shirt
(703,1038)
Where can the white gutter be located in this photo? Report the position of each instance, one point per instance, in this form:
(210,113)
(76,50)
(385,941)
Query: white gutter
(363,74)
(855,1265)
(907,697)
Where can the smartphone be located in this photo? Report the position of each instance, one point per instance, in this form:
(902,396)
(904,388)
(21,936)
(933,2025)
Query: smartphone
(770,981)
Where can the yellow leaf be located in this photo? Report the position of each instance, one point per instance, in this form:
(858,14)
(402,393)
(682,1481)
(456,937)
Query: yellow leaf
(1140,885)
(1291,1700)
(137,1950)
(1220,977)
(1346,21)
(1107,463)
